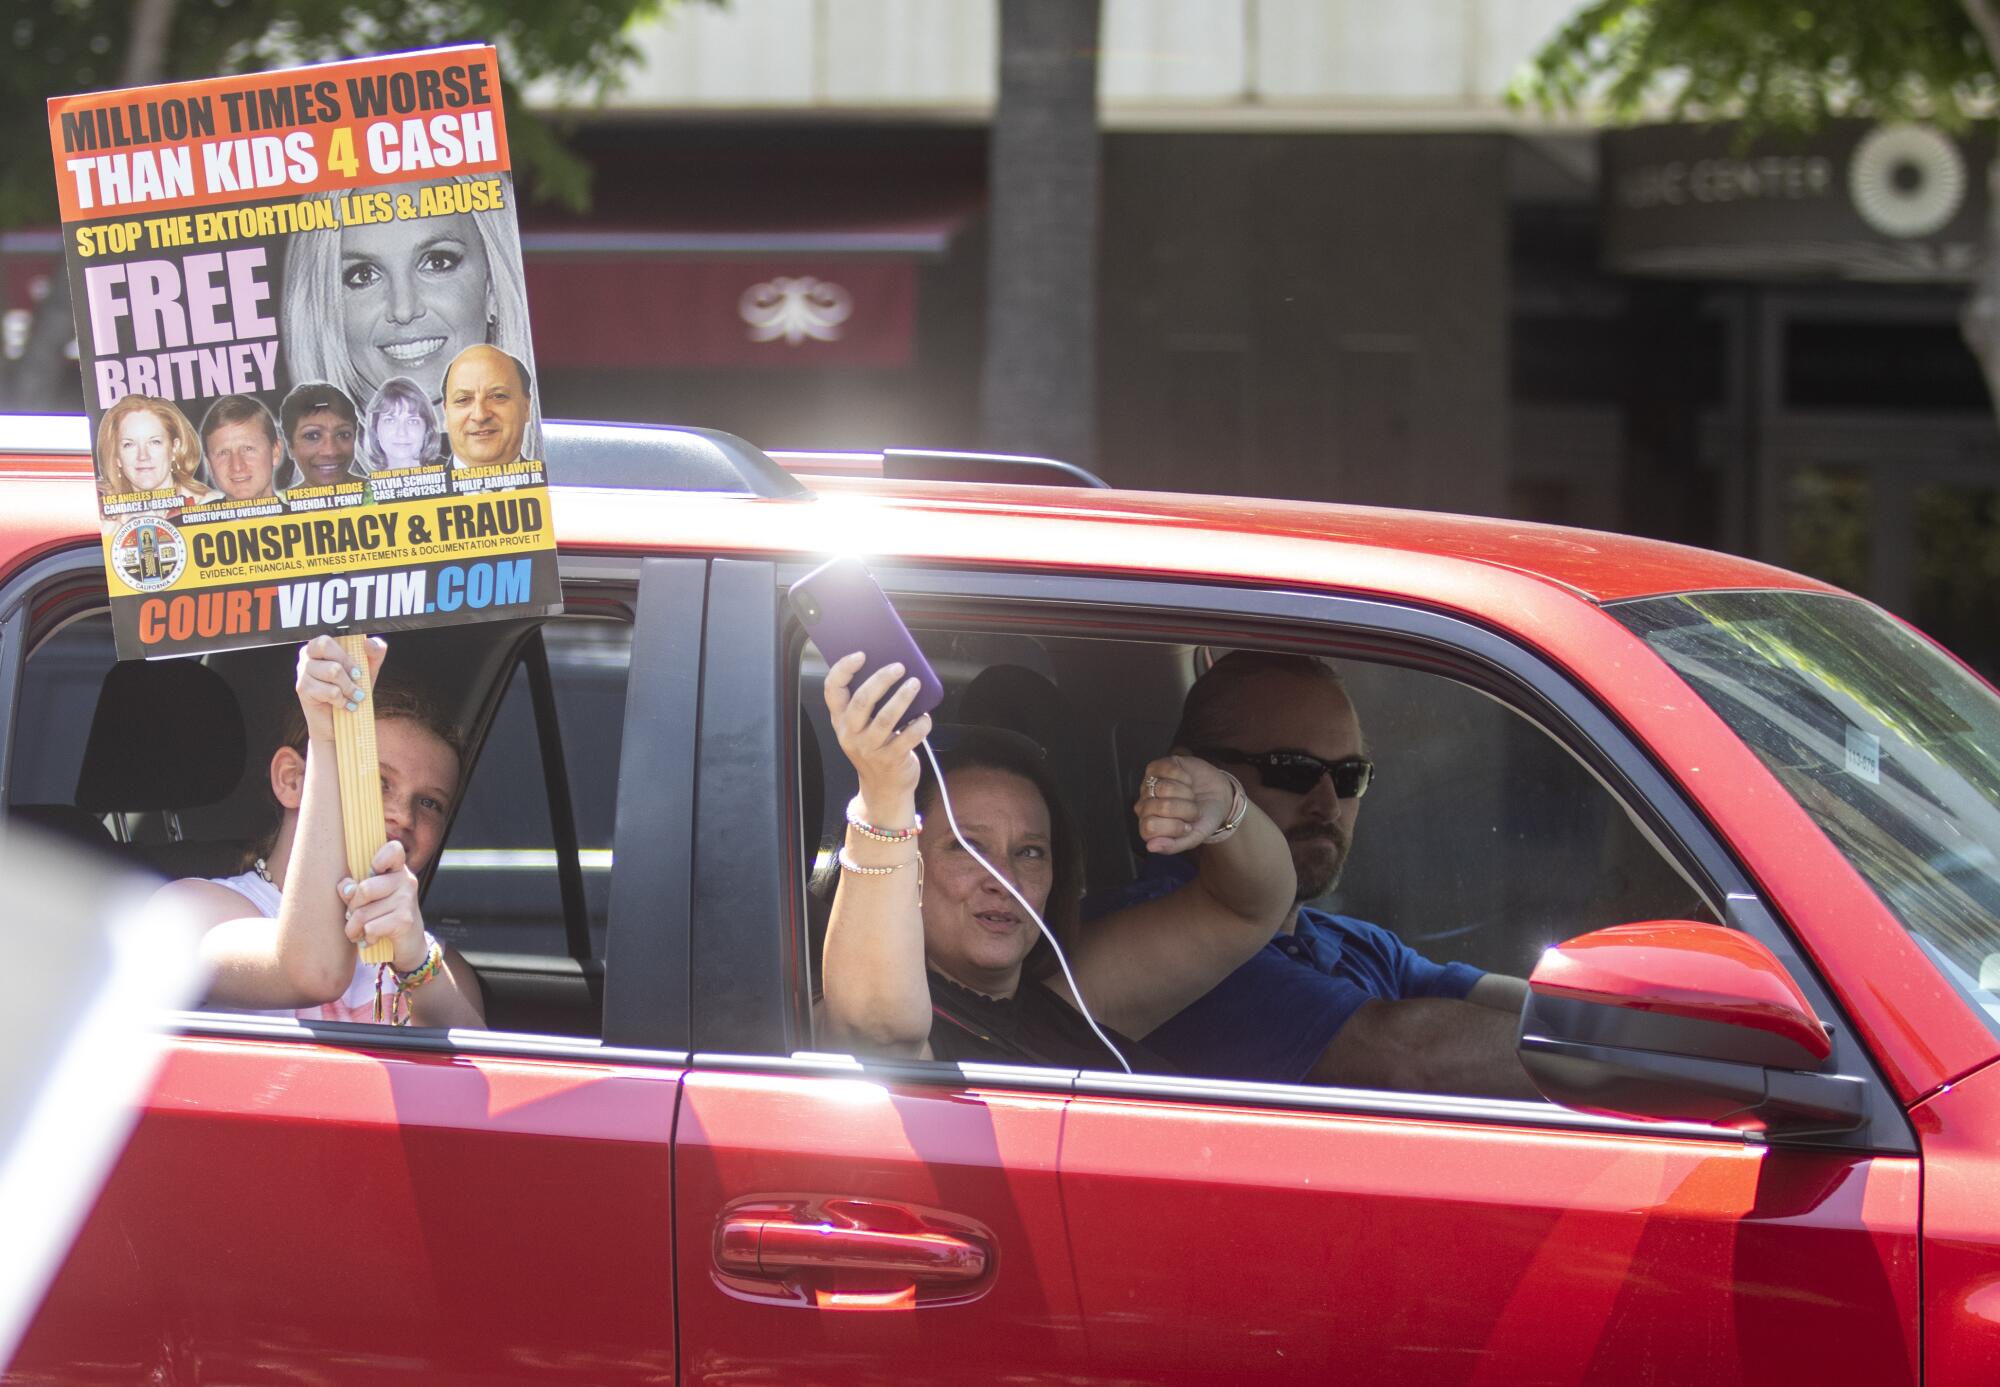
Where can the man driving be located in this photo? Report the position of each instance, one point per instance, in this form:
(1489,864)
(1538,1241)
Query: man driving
(1331,999)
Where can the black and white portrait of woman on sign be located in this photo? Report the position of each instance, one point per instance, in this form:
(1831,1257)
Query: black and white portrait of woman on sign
(404,296)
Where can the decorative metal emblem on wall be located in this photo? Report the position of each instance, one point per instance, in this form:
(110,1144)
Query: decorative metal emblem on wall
(795,309)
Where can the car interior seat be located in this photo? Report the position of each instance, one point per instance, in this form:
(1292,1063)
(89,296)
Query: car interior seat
(68,823)
(167,736)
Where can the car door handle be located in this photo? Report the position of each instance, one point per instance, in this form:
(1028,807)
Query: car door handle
(778,1246)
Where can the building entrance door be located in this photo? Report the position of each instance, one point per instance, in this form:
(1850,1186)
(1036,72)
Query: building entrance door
(1878,462)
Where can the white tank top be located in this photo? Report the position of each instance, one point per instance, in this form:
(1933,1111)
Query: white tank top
(355,1004)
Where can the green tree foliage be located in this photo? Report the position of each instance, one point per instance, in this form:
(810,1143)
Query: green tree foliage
(1773,64)
(57,47)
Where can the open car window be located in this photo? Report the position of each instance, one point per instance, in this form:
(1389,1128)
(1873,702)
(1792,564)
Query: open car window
(1482,840)
(521,822)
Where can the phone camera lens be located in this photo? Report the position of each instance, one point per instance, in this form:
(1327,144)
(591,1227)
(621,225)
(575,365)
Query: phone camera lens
(808,610)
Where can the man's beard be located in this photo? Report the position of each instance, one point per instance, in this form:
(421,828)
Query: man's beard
(1319,851)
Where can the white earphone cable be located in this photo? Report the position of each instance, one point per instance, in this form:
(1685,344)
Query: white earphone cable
(944,797)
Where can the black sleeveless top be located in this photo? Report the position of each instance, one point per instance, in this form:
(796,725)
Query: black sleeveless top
(1034,1026)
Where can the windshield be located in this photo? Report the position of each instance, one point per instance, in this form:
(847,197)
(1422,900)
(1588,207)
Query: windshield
(1890,745)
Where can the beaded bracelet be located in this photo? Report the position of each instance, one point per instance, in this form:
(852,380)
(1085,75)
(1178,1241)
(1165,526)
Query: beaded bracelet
(406,983)
(432,965)
(881,835)
(848,864)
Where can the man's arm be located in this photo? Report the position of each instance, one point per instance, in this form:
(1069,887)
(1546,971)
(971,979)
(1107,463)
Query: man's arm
(1500,992)
(1427,1045)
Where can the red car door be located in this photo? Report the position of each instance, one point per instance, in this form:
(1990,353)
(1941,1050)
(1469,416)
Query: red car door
(290,1211)
(334,1202)
(1369,1239)
(894,1224)
(1265,1232)
(876,1231)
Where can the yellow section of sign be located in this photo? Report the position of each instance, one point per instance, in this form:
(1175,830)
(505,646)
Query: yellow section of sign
(159,555)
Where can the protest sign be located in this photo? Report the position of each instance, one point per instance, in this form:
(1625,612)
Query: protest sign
(303,336)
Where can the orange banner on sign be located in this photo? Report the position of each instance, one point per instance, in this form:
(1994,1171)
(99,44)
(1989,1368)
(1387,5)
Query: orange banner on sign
(144,153)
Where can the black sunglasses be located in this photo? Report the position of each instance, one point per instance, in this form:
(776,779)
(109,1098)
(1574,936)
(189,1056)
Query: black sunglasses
(1296,772)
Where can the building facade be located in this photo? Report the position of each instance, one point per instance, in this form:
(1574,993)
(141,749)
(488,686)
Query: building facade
(1334,264)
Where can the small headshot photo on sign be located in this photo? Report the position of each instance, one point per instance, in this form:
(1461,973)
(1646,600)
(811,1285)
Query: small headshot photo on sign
(321,431)
(246,454)
(147,453)
(487,403)
(401,431)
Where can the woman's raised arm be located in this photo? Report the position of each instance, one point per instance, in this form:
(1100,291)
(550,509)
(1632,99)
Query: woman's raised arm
(877,998)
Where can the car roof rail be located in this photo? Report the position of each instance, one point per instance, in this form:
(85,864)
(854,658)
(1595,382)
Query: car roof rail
(657,457)
(47,433)
(940,465)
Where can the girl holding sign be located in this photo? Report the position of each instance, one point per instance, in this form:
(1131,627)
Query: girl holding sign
(281,937)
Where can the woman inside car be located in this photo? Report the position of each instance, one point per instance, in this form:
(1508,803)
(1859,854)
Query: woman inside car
(282,936)
(928,956)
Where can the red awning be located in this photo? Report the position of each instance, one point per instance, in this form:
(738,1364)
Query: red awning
(751,247)
(673,307)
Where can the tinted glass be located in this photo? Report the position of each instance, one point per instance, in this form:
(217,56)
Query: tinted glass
(497,888)
(58,697)
(1890,745)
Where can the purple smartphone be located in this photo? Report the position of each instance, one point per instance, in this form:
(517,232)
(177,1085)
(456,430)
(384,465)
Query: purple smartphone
(844,611)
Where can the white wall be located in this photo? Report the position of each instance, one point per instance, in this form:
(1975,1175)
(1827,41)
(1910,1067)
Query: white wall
(1195,62)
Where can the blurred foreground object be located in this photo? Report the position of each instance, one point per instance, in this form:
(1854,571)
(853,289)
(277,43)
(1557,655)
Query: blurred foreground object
(92,964)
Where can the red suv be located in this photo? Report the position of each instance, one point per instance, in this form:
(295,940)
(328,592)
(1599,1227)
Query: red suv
(1776,1150)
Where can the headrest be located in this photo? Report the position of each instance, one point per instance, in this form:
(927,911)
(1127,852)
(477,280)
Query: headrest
(64,821)
(167,734)
(1018,699)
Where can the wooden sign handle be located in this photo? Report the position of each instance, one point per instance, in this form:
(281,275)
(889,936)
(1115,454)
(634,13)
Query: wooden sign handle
(360,787)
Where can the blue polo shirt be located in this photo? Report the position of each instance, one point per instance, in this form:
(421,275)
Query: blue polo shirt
(1273,1017)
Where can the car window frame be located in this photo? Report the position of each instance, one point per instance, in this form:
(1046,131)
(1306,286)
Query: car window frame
(667,597)
(758,976)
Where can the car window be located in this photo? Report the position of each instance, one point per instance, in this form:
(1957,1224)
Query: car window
(496,894)
(1481,840)
(58,693)
(1885,740)
(497,888)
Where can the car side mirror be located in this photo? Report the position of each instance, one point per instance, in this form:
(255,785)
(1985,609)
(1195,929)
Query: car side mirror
(1678,1021)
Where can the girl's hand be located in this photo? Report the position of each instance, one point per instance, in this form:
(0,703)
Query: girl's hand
(327,681)
(385,906)
(1181,802)
(864,719)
